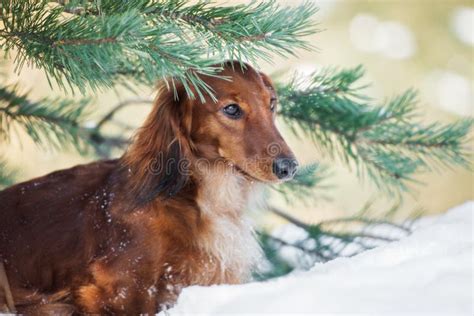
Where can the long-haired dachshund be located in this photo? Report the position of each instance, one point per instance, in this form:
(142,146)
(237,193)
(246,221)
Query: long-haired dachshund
(126,235)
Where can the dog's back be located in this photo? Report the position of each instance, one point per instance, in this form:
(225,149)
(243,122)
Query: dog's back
(46,226)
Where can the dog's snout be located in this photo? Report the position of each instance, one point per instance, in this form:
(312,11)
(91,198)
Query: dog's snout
(285,168)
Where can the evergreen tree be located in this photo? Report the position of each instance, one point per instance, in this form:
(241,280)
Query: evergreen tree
(91,46)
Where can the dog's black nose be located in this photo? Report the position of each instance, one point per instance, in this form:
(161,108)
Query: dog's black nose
(285,168)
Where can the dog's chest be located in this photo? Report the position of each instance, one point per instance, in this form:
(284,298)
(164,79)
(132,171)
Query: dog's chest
(227,242)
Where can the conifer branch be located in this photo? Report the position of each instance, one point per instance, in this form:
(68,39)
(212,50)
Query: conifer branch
(321,242)
(303,185)
(7,176)
(114,42)
(108,117)
(387,143)
(49,122)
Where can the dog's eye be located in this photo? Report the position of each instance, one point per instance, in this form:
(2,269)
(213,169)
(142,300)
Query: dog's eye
(272,104)
(233,111)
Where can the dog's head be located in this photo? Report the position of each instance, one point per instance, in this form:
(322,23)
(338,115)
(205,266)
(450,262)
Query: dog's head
(235,130)
(240,126)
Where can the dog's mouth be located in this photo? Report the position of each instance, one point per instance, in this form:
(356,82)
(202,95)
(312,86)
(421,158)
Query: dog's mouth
(247,175)
(252,178)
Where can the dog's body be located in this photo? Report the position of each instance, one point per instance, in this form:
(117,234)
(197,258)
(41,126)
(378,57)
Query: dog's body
(123,236)
(94,253)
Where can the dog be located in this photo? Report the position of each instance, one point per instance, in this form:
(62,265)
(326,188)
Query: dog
(125,236)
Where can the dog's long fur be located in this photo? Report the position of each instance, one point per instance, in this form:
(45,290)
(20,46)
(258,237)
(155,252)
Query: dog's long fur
(125,235)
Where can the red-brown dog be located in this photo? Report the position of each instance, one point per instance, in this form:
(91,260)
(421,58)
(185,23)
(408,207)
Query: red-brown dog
(124,236)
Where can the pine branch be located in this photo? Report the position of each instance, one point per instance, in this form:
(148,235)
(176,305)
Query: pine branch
(7,176)
(386,143)
(108,117)
(93,51)
(50,123)
(224,28)
(289,218)
(115,42)
(104,145)
(244,31)
(277,266)
(364,221)
(320,243)
(304,183)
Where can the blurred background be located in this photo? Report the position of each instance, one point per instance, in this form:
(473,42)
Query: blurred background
(426,45)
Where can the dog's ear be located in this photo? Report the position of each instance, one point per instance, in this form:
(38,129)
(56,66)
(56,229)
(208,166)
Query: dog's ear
(267,81)
(156,161)
(250,71)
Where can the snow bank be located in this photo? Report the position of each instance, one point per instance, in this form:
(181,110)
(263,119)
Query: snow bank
(430,272)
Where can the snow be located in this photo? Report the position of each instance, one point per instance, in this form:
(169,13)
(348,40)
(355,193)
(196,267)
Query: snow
(427,273)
